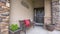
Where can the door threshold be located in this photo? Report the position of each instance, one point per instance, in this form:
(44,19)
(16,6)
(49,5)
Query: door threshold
(39,24)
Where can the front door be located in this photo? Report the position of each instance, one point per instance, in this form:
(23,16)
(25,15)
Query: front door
(39,15)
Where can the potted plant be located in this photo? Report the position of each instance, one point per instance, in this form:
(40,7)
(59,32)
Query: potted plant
(14,29)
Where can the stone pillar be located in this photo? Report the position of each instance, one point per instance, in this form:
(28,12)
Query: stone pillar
(56,14)
(47,17)
(4,16)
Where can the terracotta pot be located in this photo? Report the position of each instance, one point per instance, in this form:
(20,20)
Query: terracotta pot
(50,27)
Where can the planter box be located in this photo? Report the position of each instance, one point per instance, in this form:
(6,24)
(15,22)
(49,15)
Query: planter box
(15,32)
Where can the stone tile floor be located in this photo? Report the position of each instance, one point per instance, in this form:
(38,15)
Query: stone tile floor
(40,30)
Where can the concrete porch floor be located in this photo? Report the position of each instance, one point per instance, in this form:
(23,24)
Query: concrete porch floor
(40,30)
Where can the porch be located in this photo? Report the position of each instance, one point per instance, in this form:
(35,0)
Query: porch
(14,10)
(40,30)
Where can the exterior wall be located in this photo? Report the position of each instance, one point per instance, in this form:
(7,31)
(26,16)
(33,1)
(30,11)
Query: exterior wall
(56,14)
(19,12)
(4,16)
(47,17)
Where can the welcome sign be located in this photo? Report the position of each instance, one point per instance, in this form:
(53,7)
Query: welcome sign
(24,4)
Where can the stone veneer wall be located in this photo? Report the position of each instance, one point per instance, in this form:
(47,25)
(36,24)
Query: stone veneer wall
(55,14)
(4,16)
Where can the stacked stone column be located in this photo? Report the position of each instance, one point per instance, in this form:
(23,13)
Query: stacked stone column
(58,23)
(4,16)
(56,14)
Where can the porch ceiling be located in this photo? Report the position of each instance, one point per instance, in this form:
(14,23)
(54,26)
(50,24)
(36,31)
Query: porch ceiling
(38,3)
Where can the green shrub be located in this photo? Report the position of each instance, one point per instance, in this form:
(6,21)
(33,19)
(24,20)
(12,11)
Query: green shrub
(14,27)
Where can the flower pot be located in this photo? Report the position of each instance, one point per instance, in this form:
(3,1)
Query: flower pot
(50,27)
(15,32)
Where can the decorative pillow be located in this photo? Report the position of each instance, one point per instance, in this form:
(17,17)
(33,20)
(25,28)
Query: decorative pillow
(27,23)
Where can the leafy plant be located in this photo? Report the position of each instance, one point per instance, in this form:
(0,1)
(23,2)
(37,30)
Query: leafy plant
(14,27)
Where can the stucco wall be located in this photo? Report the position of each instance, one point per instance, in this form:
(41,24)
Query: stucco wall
(47,8)
(47,17)
(19,12)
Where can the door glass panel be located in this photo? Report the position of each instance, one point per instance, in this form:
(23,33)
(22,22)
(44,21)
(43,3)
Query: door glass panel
(39,15)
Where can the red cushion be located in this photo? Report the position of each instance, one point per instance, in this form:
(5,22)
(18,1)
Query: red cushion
(27,23)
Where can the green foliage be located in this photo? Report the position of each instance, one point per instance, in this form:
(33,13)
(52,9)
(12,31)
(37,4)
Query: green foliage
(14,27)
